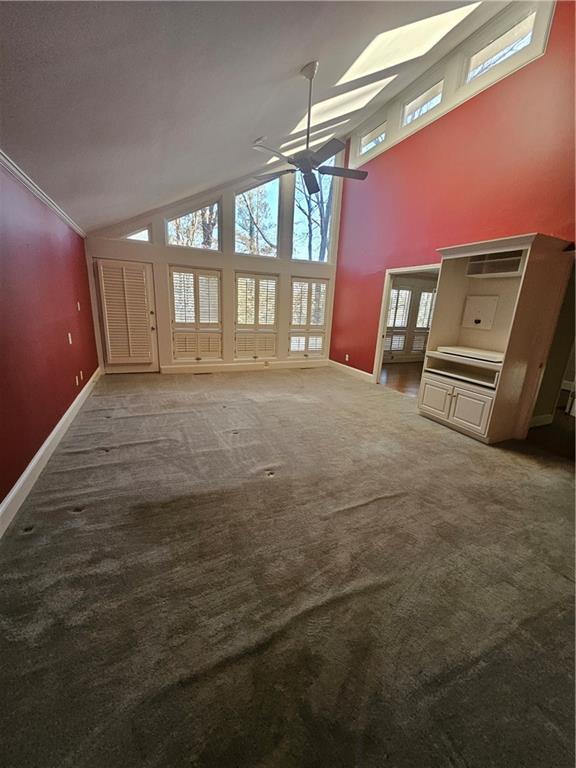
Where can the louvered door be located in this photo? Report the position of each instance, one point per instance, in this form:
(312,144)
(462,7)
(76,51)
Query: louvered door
(128,315)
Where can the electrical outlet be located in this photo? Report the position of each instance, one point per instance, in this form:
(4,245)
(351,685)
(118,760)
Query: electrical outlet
(347,357)
(69,338)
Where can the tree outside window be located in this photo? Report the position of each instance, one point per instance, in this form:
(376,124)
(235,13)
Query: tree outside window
(197,229)
(257,219)
(312,218)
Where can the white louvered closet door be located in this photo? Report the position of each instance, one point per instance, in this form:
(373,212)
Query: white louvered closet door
(128,315)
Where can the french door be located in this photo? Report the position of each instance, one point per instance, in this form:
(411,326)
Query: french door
(408,322)
(128,316)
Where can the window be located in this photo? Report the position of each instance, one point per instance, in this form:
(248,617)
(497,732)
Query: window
(256,297)
(195,314)
(394,342)
(256,301)
(372,139)
(308,317)
(399,308)
(197,229)
(419,342)
(505,46)
(142,234)
(422,104)
(257,219)
(313,218)
(425,309)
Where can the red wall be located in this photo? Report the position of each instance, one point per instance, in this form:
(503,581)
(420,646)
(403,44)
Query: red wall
(42,276)
(500,164)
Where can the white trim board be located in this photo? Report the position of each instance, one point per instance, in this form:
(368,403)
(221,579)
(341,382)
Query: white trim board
(9,164)
(16,497)
(356,372)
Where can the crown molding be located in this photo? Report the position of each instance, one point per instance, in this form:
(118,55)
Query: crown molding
(19,174)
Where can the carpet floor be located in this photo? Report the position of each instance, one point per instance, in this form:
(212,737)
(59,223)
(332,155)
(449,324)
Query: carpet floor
(285,570)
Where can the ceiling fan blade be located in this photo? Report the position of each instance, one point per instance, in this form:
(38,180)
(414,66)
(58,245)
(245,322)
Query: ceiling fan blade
(275,152)
(328,150)
(311,183)
(271,176)
(345,173)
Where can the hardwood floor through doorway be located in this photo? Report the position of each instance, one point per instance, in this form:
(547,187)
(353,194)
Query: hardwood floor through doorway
(404,377)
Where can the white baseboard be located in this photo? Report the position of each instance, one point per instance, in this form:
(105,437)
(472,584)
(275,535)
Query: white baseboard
(259,365)
(13,501)
(368,377)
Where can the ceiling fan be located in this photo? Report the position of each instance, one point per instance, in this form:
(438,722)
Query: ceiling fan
(307,160)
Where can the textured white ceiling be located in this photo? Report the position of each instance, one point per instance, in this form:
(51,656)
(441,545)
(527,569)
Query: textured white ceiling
(117,108)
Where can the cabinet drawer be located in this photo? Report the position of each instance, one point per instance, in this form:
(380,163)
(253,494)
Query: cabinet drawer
(470,410)
(434,397)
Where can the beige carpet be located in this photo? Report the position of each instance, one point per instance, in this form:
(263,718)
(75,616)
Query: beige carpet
(285,570)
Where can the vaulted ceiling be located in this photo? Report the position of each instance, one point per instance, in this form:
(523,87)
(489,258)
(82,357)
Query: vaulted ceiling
(118,108)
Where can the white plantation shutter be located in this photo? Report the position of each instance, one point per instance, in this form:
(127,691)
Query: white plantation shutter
(245,300)
(318,303)
(184,299)
(399,307)
(192,345)
(255,345)
(267,301)
(196,314)
(126,311)
(300,302)
(425,309)
(256,298)
(419,342)
(209,299)
(308,317)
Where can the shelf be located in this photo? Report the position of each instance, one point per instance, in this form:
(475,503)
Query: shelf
(504,264)
(471,377)
(465,360)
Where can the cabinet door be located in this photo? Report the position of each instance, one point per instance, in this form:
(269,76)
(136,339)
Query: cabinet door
(435,397)
(471,410)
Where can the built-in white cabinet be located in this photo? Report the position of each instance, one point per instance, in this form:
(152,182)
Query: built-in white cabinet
(497,306)
(435,397)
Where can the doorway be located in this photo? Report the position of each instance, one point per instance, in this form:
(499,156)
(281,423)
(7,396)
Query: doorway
(407,306)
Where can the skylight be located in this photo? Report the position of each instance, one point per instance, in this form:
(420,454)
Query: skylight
(402,44)
(505,46)
(344,104)
(422,104)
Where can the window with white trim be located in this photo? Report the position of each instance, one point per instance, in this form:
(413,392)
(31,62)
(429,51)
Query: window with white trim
(422,104)
(256,219)
(256,300)
(399,309)
(142,234)
(196,229)
(196,321)
(373,138)
(308,317)
(502,48)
